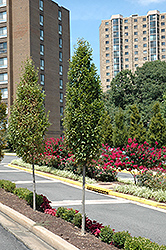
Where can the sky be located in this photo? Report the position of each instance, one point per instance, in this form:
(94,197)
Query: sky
(86,16)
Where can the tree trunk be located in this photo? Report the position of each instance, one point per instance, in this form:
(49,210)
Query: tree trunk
(83,202)
(34,187)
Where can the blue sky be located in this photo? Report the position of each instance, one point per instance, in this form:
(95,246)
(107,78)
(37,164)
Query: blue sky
(86,16)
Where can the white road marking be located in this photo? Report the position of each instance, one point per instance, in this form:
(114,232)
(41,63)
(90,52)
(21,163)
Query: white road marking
(87,202)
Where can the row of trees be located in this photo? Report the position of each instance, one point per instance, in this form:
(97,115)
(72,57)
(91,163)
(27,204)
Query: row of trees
(117,133)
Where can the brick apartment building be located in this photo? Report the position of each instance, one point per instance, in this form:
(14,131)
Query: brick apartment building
(128,42)
(39,29)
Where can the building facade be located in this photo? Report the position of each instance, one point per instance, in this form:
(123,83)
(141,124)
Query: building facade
(39,29)
(128,42)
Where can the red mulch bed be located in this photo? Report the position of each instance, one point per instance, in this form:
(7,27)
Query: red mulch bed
(64,229)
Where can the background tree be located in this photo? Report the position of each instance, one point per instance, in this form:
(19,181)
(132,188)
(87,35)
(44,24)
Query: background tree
(2,126)
(120,135)
(28,121)
(157,128)
(83,111)
(107,130)
(136,129)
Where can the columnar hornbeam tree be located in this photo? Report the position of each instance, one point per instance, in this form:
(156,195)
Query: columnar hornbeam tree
(83,111)
(28,121)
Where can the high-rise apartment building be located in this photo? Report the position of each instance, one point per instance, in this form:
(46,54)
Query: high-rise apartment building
(39,29)
(128,42)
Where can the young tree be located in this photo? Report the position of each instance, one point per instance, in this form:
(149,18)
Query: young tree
(107,130)
(120,135)
(157,127)
(136,129)
(2,126)
(84,109)
(28,121)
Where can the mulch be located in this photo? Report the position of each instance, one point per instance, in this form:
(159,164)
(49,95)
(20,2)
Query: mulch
(58,226)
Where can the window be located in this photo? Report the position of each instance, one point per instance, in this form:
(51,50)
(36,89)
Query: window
(107,42)
(115,73)
(107,61)
(42,79)
(163,43)
(136,52)
(136,40)
(60,83)
(144,25)
(108,86)
(41,4)
(144,19)
(144,32)
(60,29)
(136,58)
(60,42)
(126,27)
(153,57)
(106,29)
(60,70)
(59,15)
(3,62)
(41,20)
(106,23)
(3,32)
(126,66)
(106,36)
(126,59)
(162,30)
(3,17)
(41,64)
(135,26)
(135,33)
(162,17)
(126,53)
(61,97)
(135,20)
(107,80)
(163,50)
(2,3)
(4,93)
(107,48)
(107,55)
(163,56)
(136,46)
(136,65)
(126,21)
(126,47)
(3,47)
(41,35)
(145,58)
(145,51)
(126,33)
(61,110)
(162,23)
(107,67)
(41,49)
(60,56)
(3,78)
(126,40)
(144,45)
(107,74)
(162,37)
(144,38)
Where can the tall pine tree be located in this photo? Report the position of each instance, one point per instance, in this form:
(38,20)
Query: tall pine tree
(83,111)
(157,127)
(136,129)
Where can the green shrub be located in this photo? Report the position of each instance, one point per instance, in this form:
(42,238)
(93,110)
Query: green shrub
(60,211)
(139,243)
(77,220)
(39,200)
(7,185)
(106,234)
(119,238)
(68,214)
(22,192)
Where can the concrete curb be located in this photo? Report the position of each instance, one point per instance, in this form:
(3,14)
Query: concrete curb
(50,238)
(98,189)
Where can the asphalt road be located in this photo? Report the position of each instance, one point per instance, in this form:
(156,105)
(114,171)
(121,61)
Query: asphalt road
(120,214)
